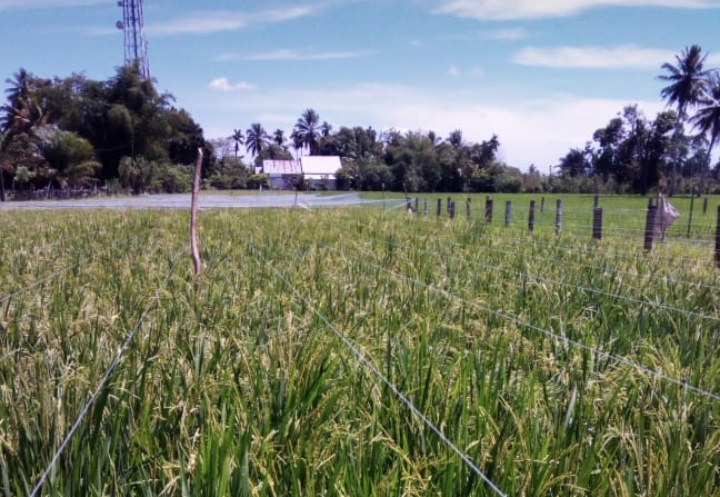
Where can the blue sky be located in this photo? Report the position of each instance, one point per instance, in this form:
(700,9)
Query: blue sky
(541,74)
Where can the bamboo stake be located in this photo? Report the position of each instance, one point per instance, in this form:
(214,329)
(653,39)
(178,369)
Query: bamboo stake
(193,216)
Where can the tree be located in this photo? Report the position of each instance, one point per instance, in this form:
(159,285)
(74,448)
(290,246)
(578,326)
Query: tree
(307,130)
(279,138)
(256,139)
(707,118)
(687,84)
(239,139)
(325,129)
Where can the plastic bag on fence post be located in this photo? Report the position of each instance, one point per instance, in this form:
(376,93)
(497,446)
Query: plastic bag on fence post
(666,215)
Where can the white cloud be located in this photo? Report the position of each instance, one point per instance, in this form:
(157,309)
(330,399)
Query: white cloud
(454,72)
(538,131)
(288,54)
(218,21)
(224,85)
(535,9)
(627,56)
(36,4)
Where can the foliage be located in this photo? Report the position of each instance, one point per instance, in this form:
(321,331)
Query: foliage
(239,385)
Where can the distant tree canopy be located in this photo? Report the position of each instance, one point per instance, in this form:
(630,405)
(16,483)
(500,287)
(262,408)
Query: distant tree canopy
(76,132)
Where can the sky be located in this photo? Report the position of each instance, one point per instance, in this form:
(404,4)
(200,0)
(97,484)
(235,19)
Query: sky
(542,75)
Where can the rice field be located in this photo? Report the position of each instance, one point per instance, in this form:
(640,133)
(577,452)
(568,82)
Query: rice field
(358,352)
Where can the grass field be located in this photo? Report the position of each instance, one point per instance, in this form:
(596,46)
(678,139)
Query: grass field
(557,365)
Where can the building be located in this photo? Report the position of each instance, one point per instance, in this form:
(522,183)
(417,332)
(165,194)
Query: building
(318,172)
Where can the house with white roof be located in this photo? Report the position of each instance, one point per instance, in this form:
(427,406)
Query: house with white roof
(318,172)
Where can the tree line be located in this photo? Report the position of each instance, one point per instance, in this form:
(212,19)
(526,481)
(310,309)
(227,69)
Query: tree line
(122,133)
(671,152)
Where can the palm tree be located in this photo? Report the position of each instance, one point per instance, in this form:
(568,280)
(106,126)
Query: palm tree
(687,86)
(325,129)
(307,130)
(239,139)
(707,118)
(279,138)
(256,139)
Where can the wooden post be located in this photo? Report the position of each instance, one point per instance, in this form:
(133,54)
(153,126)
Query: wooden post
(705,206)
(417,205)
(597,223)
(717,239)
(426,209)
(558,217)
(596,202)
(488,210)
(439,207)
(650,225)
(468,207)
(508,213)
(451,207)
(449,201)
(531,218)
(542,205)
(408,201)
(692,207)
(193,216)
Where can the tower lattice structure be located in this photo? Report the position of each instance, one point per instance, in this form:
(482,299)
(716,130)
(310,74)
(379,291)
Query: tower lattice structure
(135,42)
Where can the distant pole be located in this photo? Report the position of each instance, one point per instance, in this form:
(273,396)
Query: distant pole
(542,205)
(650,225)
(705,206)
(531,218)
(488,210)
(717,239)
(596,202)
(467,207)
(427,208)
(558,217)
(508,213)
(451,207)
(597,223)
(692,206)
(408,203)
(417,205)
(439,207)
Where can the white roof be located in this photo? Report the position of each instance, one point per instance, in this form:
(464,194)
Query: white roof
(281,167)
(323,165)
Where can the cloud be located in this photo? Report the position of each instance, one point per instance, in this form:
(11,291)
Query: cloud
(536,9)
(223,85)
(454,72)
(214,22)
(626,56)
(538,131)
(6,5)
(288,54)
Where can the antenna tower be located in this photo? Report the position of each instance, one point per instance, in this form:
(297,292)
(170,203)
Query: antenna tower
(135,42)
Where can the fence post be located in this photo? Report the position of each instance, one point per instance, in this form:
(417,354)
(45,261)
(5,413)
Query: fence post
(467,207)
(531,218)
(717,239)
(408,202)
(439,207)
(426,209)
(451,207)
(449,201)
(558,217)
(596,202)
(704,206)
(597,223)
(417,205)
(542,205)
(650,225)
(508,213)
(488,209)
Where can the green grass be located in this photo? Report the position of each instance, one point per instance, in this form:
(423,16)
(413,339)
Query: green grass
(236,385)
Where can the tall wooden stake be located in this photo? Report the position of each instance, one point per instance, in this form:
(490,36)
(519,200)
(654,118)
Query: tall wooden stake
(193,215)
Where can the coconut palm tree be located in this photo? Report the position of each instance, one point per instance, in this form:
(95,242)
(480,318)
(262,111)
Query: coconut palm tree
(325,129)
(279,138)
(687,86)
(238,138)
(256,139)
(307,130)
(707,117)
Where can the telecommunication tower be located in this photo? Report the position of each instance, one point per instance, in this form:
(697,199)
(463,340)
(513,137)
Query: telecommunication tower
(135,44)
